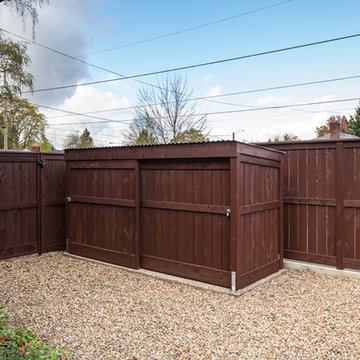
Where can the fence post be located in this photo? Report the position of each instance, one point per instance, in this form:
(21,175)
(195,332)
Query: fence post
(281,211)
(42,228)
(339,205)
(137,214)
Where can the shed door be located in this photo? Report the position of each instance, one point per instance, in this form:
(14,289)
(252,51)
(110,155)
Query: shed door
(101,210)
(185,229)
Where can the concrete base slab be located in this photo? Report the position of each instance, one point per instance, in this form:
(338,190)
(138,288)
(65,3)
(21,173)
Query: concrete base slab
(321,269)
(180,280)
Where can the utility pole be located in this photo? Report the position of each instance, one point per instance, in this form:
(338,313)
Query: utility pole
(5,115)
(233,134)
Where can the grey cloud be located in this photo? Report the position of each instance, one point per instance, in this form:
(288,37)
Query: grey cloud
(61,26)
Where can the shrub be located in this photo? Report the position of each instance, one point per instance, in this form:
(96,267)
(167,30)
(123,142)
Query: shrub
(24,344)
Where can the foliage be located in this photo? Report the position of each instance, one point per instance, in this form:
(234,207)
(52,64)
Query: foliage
(284,137)
(325,129)
(164,115)
(74,140)
(191,135)
(13,60)
(23,343)
(26,8)
(354,123)
(26,126)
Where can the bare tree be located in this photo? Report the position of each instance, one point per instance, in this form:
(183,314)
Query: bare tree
(284,137)
(166,114)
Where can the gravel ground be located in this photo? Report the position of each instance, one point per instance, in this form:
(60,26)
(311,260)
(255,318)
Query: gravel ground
(102,312)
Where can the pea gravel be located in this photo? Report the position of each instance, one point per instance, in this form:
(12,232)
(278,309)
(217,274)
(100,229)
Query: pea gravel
(102,312)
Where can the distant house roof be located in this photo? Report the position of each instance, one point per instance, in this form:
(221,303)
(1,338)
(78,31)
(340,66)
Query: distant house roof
(341,136)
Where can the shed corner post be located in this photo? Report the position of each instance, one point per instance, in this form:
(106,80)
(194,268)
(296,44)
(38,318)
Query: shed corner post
(340,205)
(137,213)
(235,222)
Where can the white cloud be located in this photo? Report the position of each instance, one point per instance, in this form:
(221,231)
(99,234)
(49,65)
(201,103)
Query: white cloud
(88,99)
(214,91)
(60,27)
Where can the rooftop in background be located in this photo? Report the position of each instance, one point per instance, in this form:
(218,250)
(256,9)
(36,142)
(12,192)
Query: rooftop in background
(341,136)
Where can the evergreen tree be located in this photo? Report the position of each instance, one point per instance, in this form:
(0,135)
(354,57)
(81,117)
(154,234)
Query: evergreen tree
(354,123)
(74,140)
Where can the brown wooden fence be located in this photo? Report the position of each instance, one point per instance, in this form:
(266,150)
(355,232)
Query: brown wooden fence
(166,208)
(322,202)
(32,199)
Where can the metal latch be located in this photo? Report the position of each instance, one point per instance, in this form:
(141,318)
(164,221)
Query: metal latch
(68,198)
(41,163)
(228,212)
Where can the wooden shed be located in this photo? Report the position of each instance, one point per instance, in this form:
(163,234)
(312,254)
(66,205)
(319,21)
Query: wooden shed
(206,211)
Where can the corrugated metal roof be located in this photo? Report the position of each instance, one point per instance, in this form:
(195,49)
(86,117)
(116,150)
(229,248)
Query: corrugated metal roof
(151,145)
(171,144)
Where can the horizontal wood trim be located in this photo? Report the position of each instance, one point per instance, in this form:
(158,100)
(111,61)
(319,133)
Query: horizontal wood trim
(190,271)
(107,164)
(352,203)
(248,209)
(16,206)
(259,161)
(53,157)
(18,251)
(352,263)
(55,202)
(168,205)
(110,256)
(309,201)
(102,201)
(250,277)
(310,257)
(18,158)
(254,150)
(170,151)
(186,165)
(301,145)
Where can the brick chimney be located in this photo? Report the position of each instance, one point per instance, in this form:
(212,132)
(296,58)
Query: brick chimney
(334,129)
(35,148)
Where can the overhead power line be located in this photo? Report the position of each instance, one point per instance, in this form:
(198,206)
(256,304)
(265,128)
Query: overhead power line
(71,113)
(90,64)
(187,67)
(75,113)
(192,28)
(273,107)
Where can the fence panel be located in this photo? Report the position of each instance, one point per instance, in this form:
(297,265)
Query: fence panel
(53,203)
(352,206)
(322,202)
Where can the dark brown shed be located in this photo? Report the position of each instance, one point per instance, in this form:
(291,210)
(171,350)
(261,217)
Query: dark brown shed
(206,211)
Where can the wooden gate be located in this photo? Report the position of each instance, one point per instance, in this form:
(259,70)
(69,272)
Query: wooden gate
(32,201)
(19,206)
(184,227)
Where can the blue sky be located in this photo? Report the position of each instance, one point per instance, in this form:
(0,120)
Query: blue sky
(86,28)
